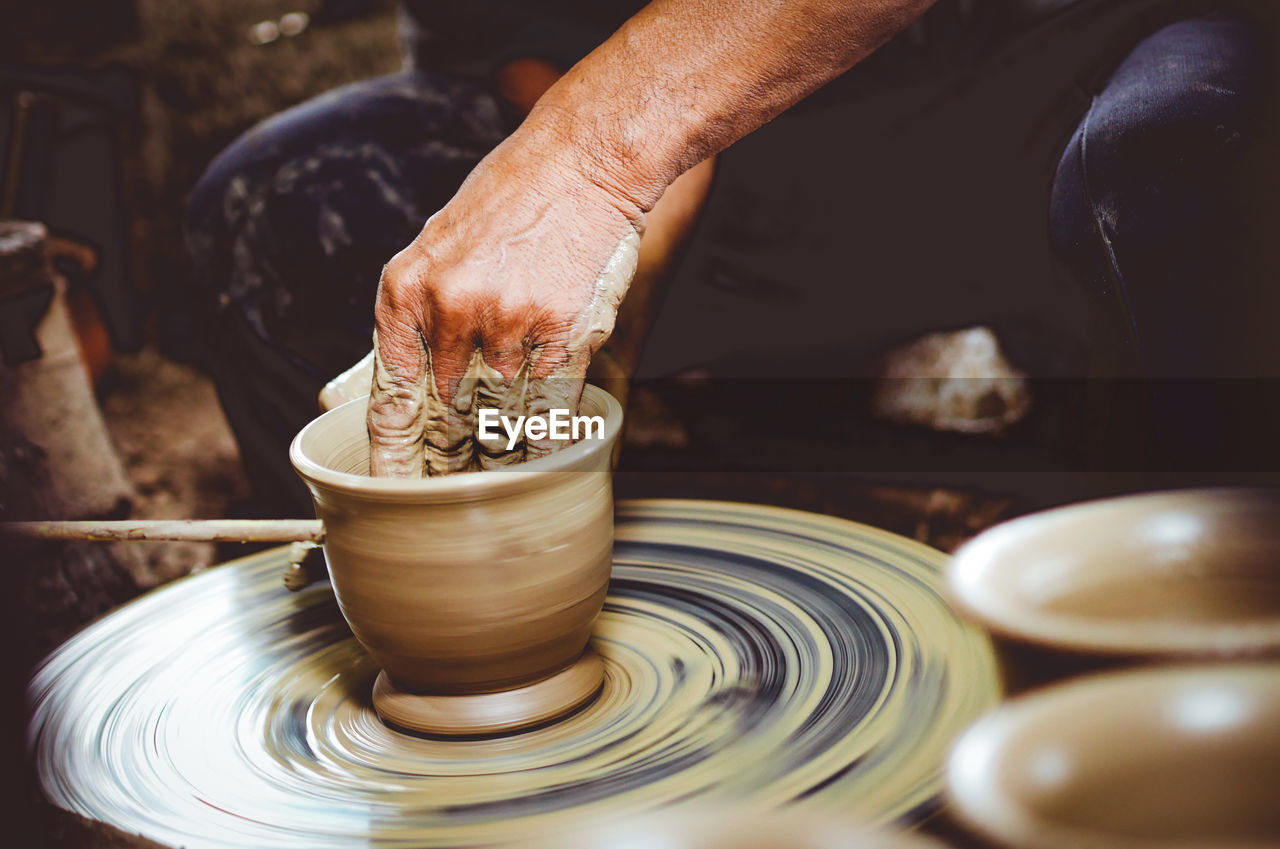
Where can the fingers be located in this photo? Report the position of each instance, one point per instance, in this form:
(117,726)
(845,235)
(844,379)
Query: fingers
(448,350)
(397,404)
(451,419)
(475,353)
(401,372)
(554,371)
(501,391)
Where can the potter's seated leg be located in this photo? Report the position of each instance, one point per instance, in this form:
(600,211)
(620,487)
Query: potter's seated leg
(1161,205)
(289,229)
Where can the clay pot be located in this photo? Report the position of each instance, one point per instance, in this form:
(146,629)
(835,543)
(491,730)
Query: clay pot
(475,593)
(1176,576)
(1159,757)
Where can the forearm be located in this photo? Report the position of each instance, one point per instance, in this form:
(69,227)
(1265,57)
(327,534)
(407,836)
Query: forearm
(684,79)
(517,280)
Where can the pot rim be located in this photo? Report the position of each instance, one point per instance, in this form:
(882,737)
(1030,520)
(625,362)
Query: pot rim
(462,485)
(992,606)
(983,803)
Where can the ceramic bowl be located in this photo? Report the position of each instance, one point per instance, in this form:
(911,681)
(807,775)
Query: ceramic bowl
(1170,757)
(1172,576)
(468,584)
(737,827)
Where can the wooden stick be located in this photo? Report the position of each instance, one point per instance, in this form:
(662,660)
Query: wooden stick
(194,530)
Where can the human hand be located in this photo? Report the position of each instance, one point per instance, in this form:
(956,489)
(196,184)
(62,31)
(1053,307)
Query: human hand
(499,303)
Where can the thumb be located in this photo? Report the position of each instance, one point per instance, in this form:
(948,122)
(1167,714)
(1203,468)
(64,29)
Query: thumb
(596,322)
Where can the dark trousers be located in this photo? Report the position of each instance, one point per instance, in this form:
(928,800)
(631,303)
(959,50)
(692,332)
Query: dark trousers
(1150,200)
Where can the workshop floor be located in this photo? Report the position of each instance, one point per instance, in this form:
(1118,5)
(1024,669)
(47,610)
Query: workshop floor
(178,451)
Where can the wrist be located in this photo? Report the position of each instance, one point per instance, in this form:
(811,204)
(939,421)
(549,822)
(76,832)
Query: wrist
(618,158)
(543,170)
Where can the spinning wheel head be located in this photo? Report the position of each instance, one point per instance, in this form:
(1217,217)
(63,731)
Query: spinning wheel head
(765,656)
(476,592)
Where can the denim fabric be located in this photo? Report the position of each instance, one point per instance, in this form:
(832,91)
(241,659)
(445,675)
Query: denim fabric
(1161,207)
(1151,200)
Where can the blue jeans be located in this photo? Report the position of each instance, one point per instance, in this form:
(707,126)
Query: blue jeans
(1161,206)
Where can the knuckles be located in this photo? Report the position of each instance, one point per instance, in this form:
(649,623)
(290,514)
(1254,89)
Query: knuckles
(428,294)
(405,281)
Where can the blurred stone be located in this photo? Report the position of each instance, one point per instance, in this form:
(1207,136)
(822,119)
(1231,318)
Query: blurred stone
(958,382)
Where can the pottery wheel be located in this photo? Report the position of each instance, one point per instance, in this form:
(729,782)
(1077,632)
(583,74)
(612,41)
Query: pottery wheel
(751,653)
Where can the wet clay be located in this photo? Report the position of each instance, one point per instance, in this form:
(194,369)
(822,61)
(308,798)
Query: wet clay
(422,435)
(769,655)
(468,584)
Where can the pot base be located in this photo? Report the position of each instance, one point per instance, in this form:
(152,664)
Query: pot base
(491,713)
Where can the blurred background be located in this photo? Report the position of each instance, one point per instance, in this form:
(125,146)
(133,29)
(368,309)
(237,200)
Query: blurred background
(109,113)
(111,110)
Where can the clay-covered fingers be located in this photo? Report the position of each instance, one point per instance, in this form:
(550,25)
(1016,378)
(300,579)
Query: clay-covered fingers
(496,307)
(476,354)
(499,395)
(559,349)
(401,373)
(397,406)
(443,351)
(557,368)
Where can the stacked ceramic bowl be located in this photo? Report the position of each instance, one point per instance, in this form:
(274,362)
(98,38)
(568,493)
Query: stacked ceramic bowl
(1139,639)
